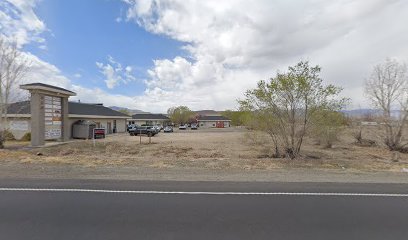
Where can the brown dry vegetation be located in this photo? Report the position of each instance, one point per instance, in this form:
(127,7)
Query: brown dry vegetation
(212,149)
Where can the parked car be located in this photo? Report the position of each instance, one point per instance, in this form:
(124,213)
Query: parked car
(168,129)
(183,127)
(194,126)
(130,126)
(146,130)
(157,128)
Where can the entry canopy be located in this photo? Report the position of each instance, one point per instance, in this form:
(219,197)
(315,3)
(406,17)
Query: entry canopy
(47,88)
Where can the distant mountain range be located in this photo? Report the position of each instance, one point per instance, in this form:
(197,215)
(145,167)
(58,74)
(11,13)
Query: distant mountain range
(131,111)
(208,112)
(364,112)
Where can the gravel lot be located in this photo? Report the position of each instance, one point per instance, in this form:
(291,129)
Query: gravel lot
(232,149)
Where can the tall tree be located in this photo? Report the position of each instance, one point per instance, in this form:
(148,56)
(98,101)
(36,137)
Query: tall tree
(13,67)
(286,103)
(180,114)
(387,89)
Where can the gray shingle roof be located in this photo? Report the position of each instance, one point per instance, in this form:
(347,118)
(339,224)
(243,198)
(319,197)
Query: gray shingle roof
(213,118)
(92,109)
(149,116)
(19,108)
(73,108)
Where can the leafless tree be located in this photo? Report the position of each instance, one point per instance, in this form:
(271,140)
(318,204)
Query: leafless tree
(13,67)
(387,89)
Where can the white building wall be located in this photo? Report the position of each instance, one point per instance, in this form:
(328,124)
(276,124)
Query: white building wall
(103,123)
(207,124)
(19,126)
(212,124)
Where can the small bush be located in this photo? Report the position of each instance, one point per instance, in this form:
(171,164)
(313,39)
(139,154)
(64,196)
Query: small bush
(358,137)
(8,136)
(326,127)
(26,137)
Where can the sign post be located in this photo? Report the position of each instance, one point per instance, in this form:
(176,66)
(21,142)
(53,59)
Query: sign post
(99,133)
(49,112)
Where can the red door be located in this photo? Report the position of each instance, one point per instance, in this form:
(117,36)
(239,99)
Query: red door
(219,124)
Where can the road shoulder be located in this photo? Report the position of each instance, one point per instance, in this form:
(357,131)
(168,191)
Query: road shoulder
(31,171)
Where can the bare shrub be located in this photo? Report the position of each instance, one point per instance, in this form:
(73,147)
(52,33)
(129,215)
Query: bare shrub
(13,67)
(387,89)
(358,136)
(326,127)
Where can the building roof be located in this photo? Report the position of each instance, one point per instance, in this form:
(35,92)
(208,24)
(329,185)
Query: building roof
(19,108)
(92,109)
(43,86)
(213,118)
(149,116)
(74,108)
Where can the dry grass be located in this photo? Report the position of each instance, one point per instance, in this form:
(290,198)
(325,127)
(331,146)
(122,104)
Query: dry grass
(210,149)
(13,144)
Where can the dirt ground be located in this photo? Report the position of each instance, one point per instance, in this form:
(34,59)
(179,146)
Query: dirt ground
(210,149)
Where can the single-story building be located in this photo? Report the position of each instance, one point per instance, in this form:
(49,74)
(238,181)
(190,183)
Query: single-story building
(213,122)
(19,117)
(149,119)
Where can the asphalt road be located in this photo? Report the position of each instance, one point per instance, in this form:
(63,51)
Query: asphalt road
(201,210)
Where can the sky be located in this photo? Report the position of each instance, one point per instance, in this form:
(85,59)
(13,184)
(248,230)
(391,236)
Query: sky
(154,54)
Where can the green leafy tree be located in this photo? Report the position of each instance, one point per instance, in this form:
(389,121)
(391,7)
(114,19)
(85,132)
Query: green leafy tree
(290,99)
(180,114)
(238,118)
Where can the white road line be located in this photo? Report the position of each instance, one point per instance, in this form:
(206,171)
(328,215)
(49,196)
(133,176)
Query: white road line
(80,190)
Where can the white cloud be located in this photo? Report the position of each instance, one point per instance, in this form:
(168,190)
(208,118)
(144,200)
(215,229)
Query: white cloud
(229,46)
(19,23)
(97,95)
(233,45)
(114,73)
(44,72)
